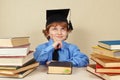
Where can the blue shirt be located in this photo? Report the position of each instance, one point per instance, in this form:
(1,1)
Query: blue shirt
(68,52)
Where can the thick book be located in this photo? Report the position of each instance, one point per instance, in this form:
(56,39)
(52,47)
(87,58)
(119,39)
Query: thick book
(15,51)
(12,72)
(106,52)
(14,41)
(106,62)
(105,57)
(18,75)
(16,61)
(92,67)
(17,67)
(101,69)
(110,44)
(60,68)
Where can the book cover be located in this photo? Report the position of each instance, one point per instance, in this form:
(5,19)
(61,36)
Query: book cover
(12,72)
(101,69)
(16,61)
(18,75)
(106,62)
(110,44)
(109,76)
(15,51)
(60,68)
(106,52)
(13,41)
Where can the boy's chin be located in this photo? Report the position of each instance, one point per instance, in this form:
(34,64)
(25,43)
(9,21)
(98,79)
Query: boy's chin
(59,39)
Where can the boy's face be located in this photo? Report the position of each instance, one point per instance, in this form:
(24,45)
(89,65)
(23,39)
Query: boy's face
(58,33)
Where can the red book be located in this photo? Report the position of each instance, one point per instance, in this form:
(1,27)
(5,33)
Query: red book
(101,69)
(106,76)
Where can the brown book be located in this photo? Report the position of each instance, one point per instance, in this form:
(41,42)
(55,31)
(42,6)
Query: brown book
(106,62)
(105,57)
(92,67)
(13,41)
(18,75)
(101,69)
(106,52)
(60,68)
(12,72)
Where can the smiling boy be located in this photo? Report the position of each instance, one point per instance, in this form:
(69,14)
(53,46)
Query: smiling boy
(56,49)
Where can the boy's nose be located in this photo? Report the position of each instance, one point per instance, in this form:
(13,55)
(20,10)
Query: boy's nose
(59,32)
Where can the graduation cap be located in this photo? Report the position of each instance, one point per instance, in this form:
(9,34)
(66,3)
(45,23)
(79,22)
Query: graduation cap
(58,15)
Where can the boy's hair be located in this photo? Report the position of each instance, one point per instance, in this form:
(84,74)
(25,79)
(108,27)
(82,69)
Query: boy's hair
(46,31)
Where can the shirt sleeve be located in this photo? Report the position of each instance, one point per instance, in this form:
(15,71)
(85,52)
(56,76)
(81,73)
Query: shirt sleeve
(42,52)
(78,58)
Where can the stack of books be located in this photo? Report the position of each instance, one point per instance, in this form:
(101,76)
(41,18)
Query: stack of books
(16,58)
(106,56)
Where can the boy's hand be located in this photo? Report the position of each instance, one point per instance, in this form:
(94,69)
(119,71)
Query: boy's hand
(48,62)
(57,43)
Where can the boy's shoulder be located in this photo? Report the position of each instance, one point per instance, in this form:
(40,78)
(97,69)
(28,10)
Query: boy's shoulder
(70,45)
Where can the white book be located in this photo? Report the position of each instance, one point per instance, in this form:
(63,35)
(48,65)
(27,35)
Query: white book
(17,60)
(15,51)
(110,44)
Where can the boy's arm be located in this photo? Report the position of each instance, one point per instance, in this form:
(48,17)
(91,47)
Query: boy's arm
(42,53)
(77,58)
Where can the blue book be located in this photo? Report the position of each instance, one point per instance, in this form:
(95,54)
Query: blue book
(110,44)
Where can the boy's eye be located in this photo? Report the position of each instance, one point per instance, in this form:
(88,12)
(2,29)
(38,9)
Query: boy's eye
(64,29)
(54,28)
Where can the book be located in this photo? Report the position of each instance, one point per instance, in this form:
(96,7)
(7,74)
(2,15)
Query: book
(15,51)
(101,69)
(12,72)
(92,67)
(14,41)
(16,61)
(105,57)
(106,52)
(106,62)
(18,75)
(110,44)
(60,68)
(17,67)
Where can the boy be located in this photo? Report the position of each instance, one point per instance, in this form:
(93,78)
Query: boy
(56,49)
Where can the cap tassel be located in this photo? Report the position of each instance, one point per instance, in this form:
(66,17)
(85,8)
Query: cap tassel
(70,25)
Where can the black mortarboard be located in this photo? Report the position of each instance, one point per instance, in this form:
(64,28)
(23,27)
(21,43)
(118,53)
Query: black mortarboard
(58,15)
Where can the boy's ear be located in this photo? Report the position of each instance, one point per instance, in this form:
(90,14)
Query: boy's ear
(46,34)
(66,37)
(69,31)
